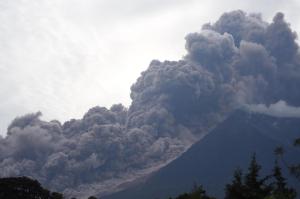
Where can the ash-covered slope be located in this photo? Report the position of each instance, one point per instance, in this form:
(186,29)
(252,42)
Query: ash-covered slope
(241,59)
(212,160)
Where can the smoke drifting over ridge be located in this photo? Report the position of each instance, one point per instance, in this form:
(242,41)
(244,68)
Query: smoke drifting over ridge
(279,109)
(238,60)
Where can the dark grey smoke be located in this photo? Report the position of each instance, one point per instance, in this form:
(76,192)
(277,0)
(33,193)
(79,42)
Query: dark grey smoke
(238,60)
(285,49)
(241,26)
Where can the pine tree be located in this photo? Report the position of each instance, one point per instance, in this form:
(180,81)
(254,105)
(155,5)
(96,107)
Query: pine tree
(294,168)
(280,190)
(255,188)
(236,189)
(249,186)
(197,193)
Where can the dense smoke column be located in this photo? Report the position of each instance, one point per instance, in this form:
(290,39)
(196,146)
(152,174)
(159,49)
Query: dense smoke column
(280,67)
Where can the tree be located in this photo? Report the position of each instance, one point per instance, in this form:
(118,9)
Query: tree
(25,188)
(236,189)
(55,195)
(249,186)
(255,188)
(279,187)
(293,168)
(197,193)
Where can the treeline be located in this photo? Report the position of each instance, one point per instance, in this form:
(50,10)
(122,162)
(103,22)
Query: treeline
(26,188)
(250,185)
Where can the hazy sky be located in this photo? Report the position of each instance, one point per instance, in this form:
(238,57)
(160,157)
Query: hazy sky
(63,57)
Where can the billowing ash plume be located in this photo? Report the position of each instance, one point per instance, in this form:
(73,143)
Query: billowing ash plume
(238,60)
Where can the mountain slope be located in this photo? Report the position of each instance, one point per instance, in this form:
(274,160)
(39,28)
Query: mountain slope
(212,160)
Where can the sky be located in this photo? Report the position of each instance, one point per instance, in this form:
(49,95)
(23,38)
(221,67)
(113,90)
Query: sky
(62,57)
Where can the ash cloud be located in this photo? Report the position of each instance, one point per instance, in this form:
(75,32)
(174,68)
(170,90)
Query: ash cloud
(240,59)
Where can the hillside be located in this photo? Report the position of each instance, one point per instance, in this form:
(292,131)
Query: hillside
(212,160)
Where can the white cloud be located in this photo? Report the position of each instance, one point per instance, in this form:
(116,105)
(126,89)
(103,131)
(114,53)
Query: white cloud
(279,109)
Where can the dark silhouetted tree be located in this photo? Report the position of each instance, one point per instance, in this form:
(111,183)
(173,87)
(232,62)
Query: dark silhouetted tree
(25,188)
(56,195)
(250,186)
(197,193)
(294,168)
(236,189)
(279,187)
(255,188)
